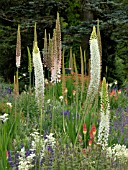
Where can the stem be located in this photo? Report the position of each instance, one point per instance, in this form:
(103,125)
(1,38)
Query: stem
(53,110)
(30,81)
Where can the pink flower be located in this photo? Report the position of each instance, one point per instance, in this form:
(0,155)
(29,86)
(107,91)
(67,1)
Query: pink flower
(7,154)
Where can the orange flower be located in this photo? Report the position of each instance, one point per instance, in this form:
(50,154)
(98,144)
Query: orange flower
(119,91)
(90,142)
(91,135)
(92,132)
(93,129)
(84,129)
(113,93)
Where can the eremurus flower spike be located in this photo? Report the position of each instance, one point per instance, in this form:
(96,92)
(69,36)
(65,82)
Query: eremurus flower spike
(38,70)
(95,72)
(103,132)
(45,52)
(18,58)
(95,67)
(18,48)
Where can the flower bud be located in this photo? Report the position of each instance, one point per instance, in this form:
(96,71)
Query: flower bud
(84,129)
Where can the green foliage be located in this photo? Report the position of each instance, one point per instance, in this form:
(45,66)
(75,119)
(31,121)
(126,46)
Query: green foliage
(25,116)
(112,22)
(23,13)
(73,12)
(26,104)
(121,69)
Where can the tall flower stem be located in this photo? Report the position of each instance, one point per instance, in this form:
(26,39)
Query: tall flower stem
(95,72)
(17,75)
(18,58)
(63,87)
(39,82)
(76,84)
(29,68)
(85,62)
(53,113)
(63,118)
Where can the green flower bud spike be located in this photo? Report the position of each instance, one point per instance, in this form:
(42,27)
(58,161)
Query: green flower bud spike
(93,34)
(35,47)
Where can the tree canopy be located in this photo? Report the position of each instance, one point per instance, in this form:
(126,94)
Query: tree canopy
(77,18)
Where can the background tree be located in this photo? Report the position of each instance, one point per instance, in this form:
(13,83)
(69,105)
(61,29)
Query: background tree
(25,13)
(113,16)
(77,19)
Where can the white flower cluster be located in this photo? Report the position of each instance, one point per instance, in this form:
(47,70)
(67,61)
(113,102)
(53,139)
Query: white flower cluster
(95,66)
(39,75)
(118,152)
(48,101)
(9,104)
(4,117)
(103,132)
(25,162)
(61,98)
(37,143)
(38,146)
(50,140)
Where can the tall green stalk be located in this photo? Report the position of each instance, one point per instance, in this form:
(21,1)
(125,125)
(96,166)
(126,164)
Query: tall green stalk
(76,86)
(63,87)
(16,84)
(45,53)
(71,61)
(29,68)
(95,73)
(3,145)
(85,62)
(82,73)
